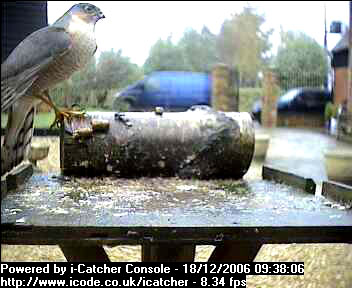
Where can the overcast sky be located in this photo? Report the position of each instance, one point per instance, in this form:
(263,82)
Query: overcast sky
(135,26)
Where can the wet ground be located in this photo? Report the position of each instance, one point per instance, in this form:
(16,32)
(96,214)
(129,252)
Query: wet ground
(301,151)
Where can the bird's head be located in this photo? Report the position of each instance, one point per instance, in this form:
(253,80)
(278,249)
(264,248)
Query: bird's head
(80,16)
(86,12)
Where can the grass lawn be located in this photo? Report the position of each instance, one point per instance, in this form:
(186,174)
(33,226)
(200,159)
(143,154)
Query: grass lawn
(41,120)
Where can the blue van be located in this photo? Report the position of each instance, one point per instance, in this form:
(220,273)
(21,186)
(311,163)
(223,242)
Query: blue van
(173,90)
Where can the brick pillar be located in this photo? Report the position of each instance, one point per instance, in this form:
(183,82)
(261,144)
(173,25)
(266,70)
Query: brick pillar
(269,100)
(223,99)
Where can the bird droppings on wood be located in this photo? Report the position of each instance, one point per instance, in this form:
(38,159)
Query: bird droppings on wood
(168,201)
(121,117)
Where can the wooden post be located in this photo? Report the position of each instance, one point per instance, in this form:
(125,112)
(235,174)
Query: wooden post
(223,96)
(269,101)
(168,252)
(235,252)
(77,253)
(18,176)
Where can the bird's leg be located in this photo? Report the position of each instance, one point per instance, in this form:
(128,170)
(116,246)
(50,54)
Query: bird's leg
(60,114)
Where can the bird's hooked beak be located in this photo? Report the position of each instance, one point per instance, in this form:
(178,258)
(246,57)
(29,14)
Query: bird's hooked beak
(101,15)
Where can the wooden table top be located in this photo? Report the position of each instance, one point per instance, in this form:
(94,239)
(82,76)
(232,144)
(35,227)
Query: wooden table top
(51,208)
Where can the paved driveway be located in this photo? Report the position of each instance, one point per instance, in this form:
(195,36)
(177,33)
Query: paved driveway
(300,151)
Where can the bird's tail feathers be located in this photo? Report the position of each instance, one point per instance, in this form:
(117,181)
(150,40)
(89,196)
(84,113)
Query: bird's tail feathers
(18,136)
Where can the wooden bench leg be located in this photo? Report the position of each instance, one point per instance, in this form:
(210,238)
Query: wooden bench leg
(168,252)
(84,254)
(235,252)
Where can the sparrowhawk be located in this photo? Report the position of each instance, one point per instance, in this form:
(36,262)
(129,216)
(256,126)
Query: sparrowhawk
(42,60)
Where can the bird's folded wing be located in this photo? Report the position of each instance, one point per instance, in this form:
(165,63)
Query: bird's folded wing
(13,88)
(33,54)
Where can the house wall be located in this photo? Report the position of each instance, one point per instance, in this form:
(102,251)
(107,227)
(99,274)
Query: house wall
(341,87)
(344,129)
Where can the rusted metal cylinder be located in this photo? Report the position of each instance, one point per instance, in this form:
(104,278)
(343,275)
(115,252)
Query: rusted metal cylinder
(200,143)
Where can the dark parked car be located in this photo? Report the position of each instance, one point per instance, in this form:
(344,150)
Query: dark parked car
(298,100)
(173,90)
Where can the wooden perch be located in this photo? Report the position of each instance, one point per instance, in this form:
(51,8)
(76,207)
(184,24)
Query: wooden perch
(199,143)
(17,177)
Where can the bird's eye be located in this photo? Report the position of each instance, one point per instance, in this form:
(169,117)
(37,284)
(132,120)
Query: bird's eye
(89,9)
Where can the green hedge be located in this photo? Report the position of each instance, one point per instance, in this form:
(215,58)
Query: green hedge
(247,97)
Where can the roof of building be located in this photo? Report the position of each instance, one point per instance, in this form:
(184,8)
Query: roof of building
(342,44)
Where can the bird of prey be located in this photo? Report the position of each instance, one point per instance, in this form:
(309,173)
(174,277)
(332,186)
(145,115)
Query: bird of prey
(42,60)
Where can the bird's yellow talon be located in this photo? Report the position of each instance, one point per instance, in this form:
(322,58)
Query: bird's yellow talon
(60,116)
